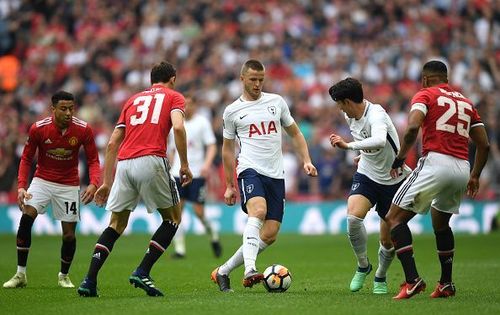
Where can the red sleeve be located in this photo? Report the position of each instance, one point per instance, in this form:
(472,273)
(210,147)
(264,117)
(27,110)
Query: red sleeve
(121,120)
(423,97)
(178,101)
(27,158)
(475,118)
(92,157)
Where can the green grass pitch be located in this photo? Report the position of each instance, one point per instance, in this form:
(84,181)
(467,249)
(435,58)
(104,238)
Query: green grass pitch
(321,266)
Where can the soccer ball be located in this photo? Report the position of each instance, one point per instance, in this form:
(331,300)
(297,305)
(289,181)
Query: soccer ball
(277,278)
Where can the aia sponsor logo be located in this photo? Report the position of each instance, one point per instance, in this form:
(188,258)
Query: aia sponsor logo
(264,128)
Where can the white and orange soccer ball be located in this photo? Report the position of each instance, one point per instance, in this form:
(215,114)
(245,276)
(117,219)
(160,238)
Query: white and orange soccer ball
(277,278)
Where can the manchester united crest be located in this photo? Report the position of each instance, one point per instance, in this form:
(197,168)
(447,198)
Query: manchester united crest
(73,141)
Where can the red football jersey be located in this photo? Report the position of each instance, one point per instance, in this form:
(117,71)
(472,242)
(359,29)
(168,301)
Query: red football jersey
(449,117)
(146,119)
(58,153)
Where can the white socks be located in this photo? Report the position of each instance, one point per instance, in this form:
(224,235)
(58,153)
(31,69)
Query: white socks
(21,269)
(385,257)
(358,238)
(214,236)
(251,238)
(180,237)
(237,259)
(180,241)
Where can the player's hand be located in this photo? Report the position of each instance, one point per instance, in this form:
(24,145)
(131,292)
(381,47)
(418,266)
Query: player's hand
(397,167)
(101,195)
(472,187)
(337,141)
(88,195)
(356,159)
(185,175)
(22,195)
(310,169)
(230,196)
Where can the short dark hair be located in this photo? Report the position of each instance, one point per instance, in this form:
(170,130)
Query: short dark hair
(62,96)
(435,67)
(349,88)
(253,64)
(162,72)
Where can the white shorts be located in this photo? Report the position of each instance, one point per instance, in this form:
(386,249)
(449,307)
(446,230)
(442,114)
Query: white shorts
(147,177)
(438,181)
(65,199)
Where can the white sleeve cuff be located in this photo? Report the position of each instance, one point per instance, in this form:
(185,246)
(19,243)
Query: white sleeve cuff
(419,106)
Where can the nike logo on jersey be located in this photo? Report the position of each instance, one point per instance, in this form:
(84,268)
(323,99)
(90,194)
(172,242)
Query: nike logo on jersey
(243,116)
(48,141)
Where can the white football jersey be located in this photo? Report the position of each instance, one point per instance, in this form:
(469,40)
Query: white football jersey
(199,134)
(257,125)
(377,139)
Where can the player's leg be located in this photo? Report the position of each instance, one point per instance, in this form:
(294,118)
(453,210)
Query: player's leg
(40,192)
(220,275)
(199,210)
(180,238)
(357,208)
(413,196)
(68,249)
(102,249)
(273,208)
(66,208)
(23,241)
(198,192)
(159,192)
(386,254)
(386,251)
(445,243)
(159,242)
(447,203)
(256,208)
(397,219)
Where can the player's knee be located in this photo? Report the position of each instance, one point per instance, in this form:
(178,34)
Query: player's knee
(68,236)
(386,243)
(268,238)
(119,226)
(31,211)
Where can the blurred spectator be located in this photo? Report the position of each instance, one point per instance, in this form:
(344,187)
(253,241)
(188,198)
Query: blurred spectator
(100,51)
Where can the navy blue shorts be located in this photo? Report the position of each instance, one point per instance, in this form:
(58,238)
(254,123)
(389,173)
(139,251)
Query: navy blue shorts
(252,184)
(194,192)
(378,194)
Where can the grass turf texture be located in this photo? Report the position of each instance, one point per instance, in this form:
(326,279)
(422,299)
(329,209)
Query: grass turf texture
(321,266)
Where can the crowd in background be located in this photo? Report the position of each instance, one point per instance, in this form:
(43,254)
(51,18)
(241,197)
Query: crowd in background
(102,51)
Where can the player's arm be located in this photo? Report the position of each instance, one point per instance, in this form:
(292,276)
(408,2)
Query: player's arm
(25,166)
(93,165)
(211,151)
(415,120)
(300,145)
(228,161)
(479,137)
(116,139)
(376,141)
(171,151)
(180,139)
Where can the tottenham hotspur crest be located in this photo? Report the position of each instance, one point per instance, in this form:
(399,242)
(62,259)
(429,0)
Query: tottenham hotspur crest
(249,188)
(272,110)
